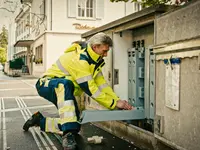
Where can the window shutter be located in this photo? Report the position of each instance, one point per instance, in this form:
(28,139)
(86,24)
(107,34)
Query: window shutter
(71,7)
(99,9)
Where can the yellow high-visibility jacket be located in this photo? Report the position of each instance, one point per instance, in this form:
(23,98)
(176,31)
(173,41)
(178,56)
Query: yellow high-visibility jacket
(83,66)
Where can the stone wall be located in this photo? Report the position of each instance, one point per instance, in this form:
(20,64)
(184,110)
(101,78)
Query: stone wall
(177,35)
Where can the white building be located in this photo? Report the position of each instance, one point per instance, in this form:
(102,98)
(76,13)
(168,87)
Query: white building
(45,28)
(11,40)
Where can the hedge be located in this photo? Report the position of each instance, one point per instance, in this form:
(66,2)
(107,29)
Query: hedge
(16,63)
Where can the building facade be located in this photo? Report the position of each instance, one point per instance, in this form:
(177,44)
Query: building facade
(45,28)
(154,64)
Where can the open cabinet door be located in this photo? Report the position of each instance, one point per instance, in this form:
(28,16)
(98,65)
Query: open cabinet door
(122,42)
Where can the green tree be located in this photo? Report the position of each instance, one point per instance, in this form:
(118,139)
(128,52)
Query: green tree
(152,2)
(4,37)
(3,44)
(2,55)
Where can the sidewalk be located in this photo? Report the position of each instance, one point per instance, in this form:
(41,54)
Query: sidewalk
(4,76)
(27,77)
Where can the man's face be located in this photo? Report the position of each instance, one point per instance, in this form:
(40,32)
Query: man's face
(102,49)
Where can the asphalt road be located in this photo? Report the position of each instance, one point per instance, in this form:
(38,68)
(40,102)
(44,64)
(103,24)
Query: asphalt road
(19,100)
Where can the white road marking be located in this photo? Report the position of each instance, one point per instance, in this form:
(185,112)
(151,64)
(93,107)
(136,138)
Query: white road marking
(47,137)
(28,83)
(16,89)
(24,97)
(33,107)
(4,126)
(49,140)
(37,130)
(32,131)
(1,83)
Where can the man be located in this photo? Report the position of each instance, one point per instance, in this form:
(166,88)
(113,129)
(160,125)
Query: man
(77,70)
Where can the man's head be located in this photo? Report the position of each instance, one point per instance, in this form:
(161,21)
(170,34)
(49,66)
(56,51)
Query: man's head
(100,43)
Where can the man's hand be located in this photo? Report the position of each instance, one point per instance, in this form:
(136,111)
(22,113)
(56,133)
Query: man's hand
(122,104)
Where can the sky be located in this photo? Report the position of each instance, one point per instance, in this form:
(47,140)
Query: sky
(6,16)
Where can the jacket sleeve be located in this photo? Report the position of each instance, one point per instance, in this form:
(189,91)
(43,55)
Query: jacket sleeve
(80,72)
(103,86)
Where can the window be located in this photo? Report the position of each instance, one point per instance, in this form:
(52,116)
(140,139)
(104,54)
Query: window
(38,54)
(86,8)
(137,7)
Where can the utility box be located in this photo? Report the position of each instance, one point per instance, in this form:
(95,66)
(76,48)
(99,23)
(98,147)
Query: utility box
(177,52)
(155,65)
(130,67)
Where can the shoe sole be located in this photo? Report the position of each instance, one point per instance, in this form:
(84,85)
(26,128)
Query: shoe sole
(25,127)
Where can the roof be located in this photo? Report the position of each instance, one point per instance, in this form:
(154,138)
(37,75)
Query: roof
(23,43)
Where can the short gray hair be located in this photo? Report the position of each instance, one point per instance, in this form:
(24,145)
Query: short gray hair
(100,38)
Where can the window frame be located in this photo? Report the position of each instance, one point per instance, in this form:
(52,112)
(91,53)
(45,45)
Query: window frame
(137,6)
(85,10)
(39,55)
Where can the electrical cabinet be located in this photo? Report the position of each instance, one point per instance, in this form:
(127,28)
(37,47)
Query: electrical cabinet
(141,78)
(136,74)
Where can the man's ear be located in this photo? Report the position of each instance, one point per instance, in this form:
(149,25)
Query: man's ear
(94,47)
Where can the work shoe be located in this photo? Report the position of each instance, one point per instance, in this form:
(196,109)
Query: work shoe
(69,142)
(33,121)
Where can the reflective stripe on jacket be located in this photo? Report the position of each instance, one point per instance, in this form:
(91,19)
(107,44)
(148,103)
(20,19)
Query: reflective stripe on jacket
(82,66)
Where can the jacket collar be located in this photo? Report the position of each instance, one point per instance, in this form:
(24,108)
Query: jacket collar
(96,57)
